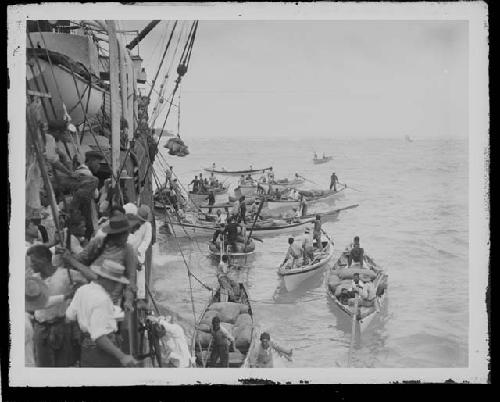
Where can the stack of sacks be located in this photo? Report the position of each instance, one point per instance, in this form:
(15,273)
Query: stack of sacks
(234,318)
(348,273)
(333,282)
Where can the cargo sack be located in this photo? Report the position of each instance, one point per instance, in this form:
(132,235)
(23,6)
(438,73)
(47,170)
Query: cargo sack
(345,284)
(205,327)
(208,317)
(242,320)
(203,339)
(348,273)
(228,311)
(333,282)
(243,337)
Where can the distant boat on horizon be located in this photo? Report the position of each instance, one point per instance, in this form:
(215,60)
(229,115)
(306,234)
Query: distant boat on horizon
(408,138)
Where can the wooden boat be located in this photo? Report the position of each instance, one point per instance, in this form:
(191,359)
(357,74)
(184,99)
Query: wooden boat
(283,184)
(324,159)
(334,284)
(238,354)
(214,250)
(236,172)
(310,196)
(201,198)
(293,277)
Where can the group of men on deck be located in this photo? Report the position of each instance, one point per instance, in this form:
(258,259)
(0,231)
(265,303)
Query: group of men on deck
(78,295)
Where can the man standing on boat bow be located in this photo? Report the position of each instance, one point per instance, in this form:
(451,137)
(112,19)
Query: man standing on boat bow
(333,181)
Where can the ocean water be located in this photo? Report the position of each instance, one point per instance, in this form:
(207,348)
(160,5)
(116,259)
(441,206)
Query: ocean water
(412,219)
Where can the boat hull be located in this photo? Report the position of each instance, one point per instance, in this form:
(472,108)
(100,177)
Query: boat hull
(344,312)
(235,172)
(322,160)
(294,277)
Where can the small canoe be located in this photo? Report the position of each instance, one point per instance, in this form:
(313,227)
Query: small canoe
(236,172)
(294,276)
(340,276)
(318,161)
(244,337)
(202,198)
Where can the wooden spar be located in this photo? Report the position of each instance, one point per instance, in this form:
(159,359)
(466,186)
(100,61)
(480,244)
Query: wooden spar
(123,82)
(129,115)
(115,103)
(142,34)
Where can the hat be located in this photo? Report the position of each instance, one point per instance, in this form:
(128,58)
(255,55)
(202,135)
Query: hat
(36,293)
(93,155)
(111,270)
(124,175)
(117,224)
(130,208)
(143,213)
(57,125)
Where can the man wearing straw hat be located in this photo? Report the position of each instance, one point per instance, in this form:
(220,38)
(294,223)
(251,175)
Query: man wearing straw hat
(93,309)
(53,337)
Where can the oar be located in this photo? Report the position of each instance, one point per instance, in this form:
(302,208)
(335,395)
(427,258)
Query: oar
(328,237)
(353,330)
(352,188)
(258,239)
(313,182)
(253,225)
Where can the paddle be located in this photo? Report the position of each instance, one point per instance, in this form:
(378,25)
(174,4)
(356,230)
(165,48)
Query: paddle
(258,239)
(352,188)
(313,182)
(253,225)
(353,329)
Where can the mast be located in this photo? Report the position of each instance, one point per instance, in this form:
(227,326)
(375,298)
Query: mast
(114,62)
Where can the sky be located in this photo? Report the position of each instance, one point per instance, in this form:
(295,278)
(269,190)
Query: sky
(344,79)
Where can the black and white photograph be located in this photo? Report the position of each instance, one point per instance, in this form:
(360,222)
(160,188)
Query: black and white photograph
(287,191)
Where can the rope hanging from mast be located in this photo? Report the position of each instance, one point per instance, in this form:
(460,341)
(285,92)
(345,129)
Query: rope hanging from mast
(142,34)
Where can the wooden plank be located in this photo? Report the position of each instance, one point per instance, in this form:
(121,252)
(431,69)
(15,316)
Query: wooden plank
(115,100)
(38,93)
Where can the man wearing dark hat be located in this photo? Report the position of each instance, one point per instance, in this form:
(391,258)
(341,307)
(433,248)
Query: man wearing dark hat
(220,346)
(93,309)
(116,248)
(53,337)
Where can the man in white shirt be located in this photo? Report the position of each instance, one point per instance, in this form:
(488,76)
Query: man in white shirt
(294,253)
(93,309)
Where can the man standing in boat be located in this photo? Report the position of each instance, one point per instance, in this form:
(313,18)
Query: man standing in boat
(356,254)
(294,252)
(196,184)
(317,233)
(333,181)
(220,346)
(211,200)
(307,247)
(243,210)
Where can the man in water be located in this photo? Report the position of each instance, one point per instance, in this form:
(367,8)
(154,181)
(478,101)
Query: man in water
(263,358)
(317,233)
(294,252)
(333,181)
(220,346)
(356,254)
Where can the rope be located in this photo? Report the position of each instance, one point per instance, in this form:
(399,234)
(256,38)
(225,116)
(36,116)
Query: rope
(162,58)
